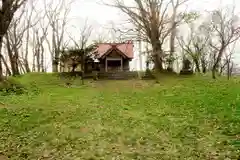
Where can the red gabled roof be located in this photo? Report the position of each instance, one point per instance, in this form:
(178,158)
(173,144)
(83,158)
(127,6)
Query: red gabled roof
(126,48)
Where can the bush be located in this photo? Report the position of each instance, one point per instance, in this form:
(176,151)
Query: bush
(33,88)
(186,72)
(12,86)
(148,75)
(70,74)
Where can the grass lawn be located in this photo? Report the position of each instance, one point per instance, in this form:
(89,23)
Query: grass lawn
(179,118)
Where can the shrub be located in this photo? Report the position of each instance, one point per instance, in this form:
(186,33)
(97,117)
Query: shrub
(149,75)
(33,88)
(70,74)
(12,86)
(186,72)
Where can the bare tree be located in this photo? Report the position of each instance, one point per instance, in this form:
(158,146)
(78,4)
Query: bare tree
(40,36)
(196,46)
(8,71)
(173,25)
(79,54)
(31,14)
(227,62)
(13,43)
(17,35)
(152,21)
(84,35)
(57,16)
(100,39)
(7,10)
(225,30)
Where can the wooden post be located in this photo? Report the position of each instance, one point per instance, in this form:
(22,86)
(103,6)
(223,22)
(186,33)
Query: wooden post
(106,65)
(121,64)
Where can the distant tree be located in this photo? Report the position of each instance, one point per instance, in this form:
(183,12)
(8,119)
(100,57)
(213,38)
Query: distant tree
(7,10)
(100,39)
(225,30)
(75,56)
(152,23)
(227,62)
(82,50)
(195,47)
(15,39)
(57,16)
(176,18)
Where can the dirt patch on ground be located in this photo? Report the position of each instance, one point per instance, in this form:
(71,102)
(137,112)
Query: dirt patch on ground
(3,157)
(2,105)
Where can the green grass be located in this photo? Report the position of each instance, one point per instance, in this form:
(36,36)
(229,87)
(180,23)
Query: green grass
(179,118)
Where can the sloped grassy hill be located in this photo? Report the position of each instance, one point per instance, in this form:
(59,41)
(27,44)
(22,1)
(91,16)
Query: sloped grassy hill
(179,118)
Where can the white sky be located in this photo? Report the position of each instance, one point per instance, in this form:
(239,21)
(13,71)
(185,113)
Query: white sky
(100,16)
(95,10)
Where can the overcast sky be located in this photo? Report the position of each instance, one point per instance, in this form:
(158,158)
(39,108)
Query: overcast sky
(95,10)
(100,16)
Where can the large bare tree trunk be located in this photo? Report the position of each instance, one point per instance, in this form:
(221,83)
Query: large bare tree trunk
(21,68)
(229,69)
(26,64)
(42,58)
(34,64)
(214,73)
(83,67)
(55,61)
(173,33)
(197,65)
(158,65)
(7,10)
(38,60)
(1,68)
(54,66)
(15,65)
(8,71)
(204,64)
(216,63)
(13,56)
(172,46)
(157,55)
(16,60)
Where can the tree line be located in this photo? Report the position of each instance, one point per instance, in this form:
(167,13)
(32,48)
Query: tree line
(30,36)
(209,43)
